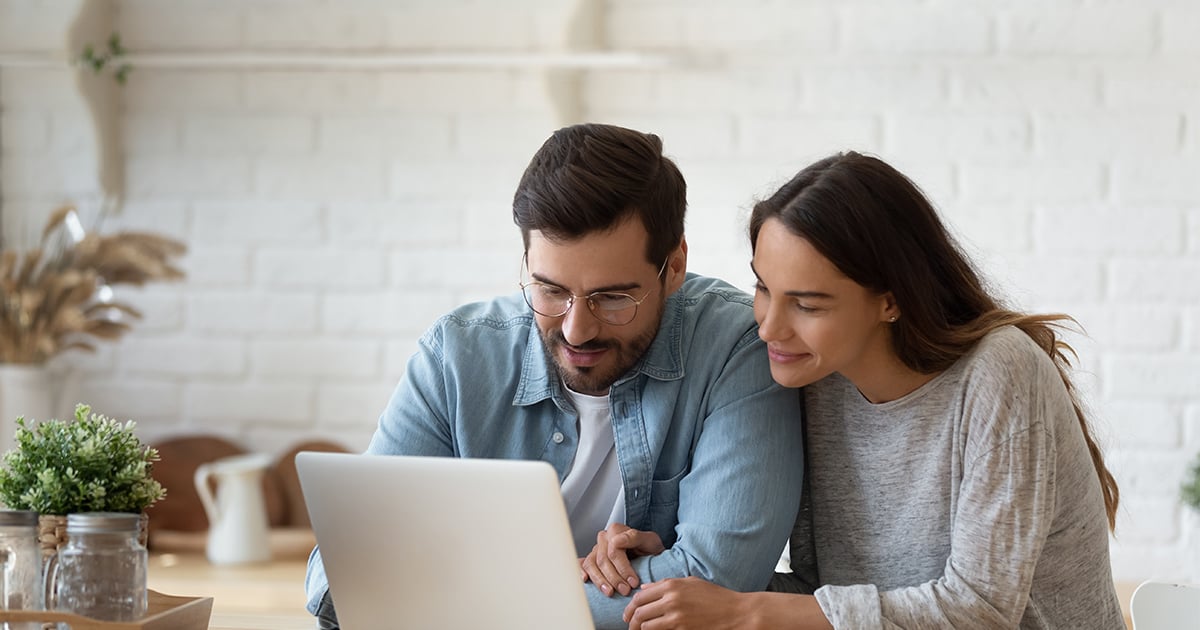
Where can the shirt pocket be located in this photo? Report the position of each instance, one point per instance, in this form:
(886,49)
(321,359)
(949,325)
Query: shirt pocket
(664,507)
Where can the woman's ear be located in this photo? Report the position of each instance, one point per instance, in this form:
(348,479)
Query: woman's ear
(889,311)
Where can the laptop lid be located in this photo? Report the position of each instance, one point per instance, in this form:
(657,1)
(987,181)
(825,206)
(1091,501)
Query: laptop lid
(431,542)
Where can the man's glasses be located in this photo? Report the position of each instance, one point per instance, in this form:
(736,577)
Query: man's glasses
(609,307)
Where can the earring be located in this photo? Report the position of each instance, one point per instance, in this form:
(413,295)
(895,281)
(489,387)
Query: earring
(892,318)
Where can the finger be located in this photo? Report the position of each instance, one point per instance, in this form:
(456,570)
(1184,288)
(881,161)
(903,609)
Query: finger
(599,567)
(608,561)
(647,543)
(636,543)
(622,564)
(595,575)
(644,606)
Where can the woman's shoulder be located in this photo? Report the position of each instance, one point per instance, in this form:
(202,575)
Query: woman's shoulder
(1011,383)
(1008,351)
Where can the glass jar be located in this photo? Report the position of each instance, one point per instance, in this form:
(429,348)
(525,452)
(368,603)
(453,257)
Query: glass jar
(21,586)
(101,572)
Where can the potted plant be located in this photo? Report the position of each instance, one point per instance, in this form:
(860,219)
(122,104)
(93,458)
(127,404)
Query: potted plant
(59,296)
(1190,490)
(90,464)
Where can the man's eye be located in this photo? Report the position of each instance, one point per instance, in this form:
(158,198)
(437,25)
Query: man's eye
(552,293)
(611,300)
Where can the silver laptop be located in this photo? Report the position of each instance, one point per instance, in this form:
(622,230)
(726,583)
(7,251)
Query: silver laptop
(428,542)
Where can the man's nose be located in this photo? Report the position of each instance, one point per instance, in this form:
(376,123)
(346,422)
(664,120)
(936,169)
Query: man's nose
(579,325)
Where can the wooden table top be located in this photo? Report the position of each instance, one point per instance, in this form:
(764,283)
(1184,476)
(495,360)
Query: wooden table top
(268,596)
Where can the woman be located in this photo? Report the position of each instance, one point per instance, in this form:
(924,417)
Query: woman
(952,480)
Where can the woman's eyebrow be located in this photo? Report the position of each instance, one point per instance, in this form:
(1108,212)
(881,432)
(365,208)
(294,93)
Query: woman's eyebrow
(819,295)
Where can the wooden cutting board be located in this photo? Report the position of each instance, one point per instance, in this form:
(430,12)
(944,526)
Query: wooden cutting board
(182,510)
(289,481)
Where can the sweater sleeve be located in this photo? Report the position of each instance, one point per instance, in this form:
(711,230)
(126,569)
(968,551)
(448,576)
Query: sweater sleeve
(1001,518)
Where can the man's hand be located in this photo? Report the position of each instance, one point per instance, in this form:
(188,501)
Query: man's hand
(608,565)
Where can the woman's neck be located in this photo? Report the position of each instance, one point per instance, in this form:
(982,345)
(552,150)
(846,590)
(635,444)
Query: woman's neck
(882,377)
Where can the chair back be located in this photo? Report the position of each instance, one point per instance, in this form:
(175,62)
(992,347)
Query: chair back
(1159,605)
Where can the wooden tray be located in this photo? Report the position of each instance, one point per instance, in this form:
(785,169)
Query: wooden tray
(163,612)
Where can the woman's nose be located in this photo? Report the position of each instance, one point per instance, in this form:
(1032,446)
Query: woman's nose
(770,324)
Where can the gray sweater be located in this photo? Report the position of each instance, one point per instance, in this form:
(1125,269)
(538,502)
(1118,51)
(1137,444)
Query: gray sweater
(971,502)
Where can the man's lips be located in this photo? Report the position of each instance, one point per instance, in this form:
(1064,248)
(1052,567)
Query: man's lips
(583,357)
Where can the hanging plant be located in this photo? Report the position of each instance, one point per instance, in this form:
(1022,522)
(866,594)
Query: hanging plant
(107,57)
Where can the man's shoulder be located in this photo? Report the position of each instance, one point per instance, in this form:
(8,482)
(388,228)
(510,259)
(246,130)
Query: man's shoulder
(706,292)
(706,318)
(498,313)
(502,320)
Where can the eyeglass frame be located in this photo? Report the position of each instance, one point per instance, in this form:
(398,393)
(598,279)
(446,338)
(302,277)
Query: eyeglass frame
(592,307)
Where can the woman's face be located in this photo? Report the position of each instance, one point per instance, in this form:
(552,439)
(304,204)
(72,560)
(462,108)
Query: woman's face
(815,320)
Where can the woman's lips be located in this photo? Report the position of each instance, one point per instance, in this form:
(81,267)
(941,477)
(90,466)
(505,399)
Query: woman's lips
(779,356)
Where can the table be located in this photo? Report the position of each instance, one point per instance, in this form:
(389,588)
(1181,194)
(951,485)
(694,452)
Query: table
(268,596)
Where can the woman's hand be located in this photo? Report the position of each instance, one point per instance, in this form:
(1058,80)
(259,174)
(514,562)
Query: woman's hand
(685,603)
(608,565)
(690,603)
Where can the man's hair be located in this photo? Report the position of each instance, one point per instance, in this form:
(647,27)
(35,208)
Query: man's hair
(589,178)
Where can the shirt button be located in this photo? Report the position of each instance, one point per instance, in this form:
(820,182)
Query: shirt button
(557,437)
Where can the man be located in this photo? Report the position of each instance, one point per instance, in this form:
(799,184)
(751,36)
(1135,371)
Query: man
(646,387)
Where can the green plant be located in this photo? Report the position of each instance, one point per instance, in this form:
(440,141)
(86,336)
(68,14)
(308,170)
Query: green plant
(1190,490)
(112,54)
(93,464)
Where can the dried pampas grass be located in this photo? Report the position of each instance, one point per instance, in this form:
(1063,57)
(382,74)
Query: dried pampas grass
(57,297)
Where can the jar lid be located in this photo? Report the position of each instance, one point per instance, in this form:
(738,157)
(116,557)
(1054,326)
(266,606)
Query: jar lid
(98,522)
(18,517)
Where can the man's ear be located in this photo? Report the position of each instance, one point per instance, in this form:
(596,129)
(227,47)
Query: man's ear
(676,267)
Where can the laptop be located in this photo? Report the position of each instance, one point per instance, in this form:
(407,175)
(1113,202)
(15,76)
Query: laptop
(432,542)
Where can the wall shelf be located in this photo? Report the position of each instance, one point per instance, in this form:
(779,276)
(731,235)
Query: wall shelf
(592,60)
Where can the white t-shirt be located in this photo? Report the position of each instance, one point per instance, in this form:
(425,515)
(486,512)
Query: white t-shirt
(593,491)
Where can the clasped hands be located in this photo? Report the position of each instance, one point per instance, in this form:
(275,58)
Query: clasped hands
(672,603)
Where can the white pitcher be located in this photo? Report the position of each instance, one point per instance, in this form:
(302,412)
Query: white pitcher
(237,518)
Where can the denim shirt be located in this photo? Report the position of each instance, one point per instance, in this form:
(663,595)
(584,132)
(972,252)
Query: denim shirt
(708,445)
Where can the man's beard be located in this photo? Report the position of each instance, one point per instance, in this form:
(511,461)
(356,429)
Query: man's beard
(595,381)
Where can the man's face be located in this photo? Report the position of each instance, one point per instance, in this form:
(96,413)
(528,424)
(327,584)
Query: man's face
(590,354)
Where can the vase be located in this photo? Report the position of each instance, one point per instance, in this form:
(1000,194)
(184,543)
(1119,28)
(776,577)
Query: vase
(25,390)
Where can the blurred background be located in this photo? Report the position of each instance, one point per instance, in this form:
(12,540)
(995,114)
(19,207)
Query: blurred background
(342,172)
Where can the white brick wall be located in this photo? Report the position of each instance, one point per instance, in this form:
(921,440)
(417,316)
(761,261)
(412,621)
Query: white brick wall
(332,214)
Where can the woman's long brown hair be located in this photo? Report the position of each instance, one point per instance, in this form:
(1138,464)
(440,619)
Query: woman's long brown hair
(876,226)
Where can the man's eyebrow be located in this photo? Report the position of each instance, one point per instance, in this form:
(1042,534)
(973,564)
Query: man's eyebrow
(621,287)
